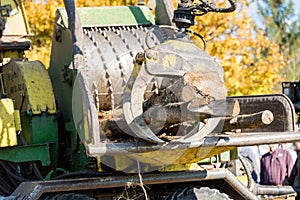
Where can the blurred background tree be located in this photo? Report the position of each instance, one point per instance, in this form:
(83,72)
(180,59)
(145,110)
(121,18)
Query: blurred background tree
(251,60)
(41,16)
(282,25)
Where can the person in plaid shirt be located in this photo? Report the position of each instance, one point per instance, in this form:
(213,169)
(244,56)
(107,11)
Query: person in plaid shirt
(276,166)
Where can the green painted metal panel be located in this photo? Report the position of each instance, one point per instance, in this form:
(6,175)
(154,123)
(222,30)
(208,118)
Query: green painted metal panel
(27,153)
(61,56)
(44,129)
(38,130)
(234,154)
(111,16)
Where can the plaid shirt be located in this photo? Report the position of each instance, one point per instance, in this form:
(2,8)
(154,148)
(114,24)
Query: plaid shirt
(276,167)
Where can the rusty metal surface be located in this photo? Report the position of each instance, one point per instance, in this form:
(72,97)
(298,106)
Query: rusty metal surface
(279,104)
(33,190)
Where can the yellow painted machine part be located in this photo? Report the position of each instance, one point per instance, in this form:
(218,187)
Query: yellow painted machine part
(8,135)
(29,85)
(17,117)
(8,55)
(168,160)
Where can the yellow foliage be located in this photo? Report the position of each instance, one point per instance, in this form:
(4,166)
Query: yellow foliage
(41,24)
(41,15)
(251,62)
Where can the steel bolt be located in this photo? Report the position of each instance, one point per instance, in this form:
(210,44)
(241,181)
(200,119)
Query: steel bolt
(152,54)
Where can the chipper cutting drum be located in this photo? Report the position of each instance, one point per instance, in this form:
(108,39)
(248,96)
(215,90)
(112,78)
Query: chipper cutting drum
(128,68)
(135,82)
(109,57)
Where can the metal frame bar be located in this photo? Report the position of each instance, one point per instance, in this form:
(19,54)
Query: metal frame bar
(244,139)
(34,190)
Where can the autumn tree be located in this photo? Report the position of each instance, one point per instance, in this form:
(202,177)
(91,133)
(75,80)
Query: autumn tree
(250,60)
(283,27)
(41,15)
(41,26)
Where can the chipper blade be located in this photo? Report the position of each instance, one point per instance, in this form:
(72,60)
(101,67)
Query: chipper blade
(132,104)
